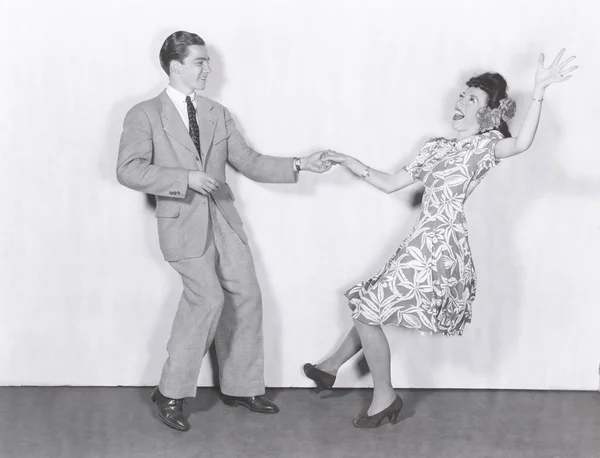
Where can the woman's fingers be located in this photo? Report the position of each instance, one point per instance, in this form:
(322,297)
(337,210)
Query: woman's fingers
(564,64)
(558,57)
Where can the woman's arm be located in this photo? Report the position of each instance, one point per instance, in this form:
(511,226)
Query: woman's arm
(385,182)
(544,77)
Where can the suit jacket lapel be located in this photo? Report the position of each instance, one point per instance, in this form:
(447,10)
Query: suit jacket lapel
(173,124)
(207,123)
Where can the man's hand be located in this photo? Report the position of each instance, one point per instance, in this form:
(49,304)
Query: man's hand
(202,182)
(335,157)
(315,162)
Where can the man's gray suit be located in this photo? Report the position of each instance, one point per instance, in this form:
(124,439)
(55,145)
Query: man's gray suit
(203,239)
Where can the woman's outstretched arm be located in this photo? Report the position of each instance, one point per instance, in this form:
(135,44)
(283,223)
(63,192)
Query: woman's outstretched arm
(385,182)
(544,77)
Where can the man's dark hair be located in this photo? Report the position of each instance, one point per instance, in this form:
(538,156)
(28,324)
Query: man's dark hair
(176,46)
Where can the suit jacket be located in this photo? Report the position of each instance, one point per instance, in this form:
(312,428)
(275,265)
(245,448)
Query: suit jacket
(156,154)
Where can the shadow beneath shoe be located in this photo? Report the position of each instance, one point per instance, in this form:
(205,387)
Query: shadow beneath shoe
(411,399)
(144,394)
(205,400)
(335,393)
(273,393)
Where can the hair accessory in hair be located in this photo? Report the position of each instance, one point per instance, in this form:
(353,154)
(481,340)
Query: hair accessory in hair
(489,119)
(508,108)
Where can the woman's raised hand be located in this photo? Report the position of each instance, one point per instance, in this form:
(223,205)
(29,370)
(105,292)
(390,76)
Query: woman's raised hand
(556,73)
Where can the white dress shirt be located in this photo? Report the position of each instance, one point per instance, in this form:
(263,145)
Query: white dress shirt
(178,99)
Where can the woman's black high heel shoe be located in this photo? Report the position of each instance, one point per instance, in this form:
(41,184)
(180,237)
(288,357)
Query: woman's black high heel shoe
(324,380)
(391,412)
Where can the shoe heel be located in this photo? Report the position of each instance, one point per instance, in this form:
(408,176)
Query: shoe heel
(394,418)
(154,397)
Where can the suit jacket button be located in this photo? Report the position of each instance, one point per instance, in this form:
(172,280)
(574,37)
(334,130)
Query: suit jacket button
(197,158)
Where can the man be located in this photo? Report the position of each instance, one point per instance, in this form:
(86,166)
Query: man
(175,146)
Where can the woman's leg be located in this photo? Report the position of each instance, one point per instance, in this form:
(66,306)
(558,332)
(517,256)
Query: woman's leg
(349,347)
(377,353)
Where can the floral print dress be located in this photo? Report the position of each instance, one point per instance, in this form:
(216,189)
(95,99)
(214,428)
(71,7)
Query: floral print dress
(429,283)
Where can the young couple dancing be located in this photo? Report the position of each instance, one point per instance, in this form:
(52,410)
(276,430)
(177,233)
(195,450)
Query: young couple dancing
(175,147)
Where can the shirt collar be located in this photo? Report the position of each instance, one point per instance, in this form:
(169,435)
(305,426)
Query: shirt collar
(179,96)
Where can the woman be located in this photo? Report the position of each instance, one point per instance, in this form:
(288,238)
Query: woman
(429,283)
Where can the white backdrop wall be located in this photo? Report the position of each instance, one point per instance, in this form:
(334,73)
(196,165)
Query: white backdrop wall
(85,297)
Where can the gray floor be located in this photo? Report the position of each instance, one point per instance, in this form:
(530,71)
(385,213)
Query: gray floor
(56,422)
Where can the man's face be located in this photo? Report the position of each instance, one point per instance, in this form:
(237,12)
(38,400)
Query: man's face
(195,68)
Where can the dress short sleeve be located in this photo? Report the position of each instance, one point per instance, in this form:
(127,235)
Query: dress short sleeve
(485,147)
(427,151)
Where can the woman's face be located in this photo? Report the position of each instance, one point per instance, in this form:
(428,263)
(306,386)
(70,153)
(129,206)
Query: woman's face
(469,102)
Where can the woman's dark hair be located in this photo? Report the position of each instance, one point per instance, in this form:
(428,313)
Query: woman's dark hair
(494,85)
(175,47)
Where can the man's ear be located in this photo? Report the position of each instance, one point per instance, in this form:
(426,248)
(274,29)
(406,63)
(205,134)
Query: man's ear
(174,67)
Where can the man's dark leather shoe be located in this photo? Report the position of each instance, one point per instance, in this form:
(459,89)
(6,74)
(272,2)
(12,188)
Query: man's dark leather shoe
(170,411)
(254,403)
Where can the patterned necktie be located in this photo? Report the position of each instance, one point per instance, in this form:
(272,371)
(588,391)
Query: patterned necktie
(194,130)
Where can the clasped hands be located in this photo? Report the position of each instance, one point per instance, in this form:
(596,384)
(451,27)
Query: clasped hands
(321,161)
